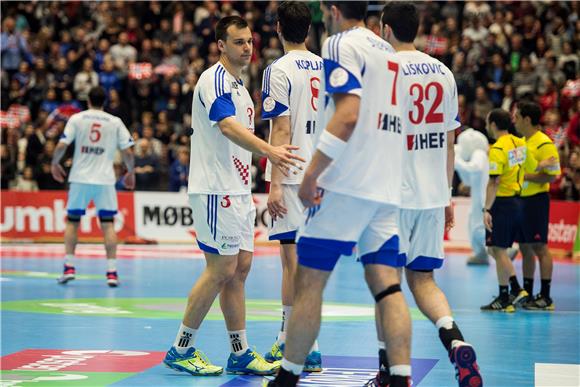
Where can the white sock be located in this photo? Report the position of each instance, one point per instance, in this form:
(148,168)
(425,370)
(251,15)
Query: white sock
(185,339)
(111,264)
(69,259)
(401,370)
(445,322)
(286,312)
(296,369)
(314,346)
(382,345)
(238,342)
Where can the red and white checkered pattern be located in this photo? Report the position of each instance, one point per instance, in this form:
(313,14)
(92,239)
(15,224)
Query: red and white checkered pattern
(243,169)
(9,120)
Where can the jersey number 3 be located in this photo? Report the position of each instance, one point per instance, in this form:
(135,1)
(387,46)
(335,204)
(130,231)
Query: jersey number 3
(95,133)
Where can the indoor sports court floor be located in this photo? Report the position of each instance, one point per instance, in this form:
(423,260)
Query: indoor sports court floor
(85,334)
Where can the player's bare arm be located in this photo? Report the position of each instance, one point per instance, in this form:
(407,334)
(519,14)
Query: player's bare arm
(58,172)
(341,127)
(492,186)
(281,134)
(280,156)
(129,160)
(449,215)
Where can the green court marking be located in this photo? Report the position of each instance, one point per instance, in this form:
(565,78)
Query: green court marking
(172,308)
(43,274)
(62,378)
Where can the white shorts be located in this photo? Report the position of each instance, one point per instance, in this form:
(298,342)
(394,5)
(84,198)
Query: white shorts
(421,233)
(81,194)
(285,228)
(342,222)
(224,224)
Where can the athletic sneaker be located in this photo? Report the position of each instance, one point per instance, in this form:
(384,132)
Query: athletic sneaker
(519,298)
(193,362)
(481,259)
(313,361)
(250,363)
(112,279)
(398,381)
(499,306)
(466,368)
(539,303)
(275,354)
(68,274)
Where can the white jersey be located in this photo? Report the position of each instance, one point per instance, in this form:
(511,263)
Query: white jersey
(217,165)
(430,110)
(290,87)
(358,62)
(97,136)
(475,174)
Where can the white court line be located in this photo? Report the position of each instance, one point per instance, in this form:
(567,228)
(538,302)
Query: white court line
(557,375)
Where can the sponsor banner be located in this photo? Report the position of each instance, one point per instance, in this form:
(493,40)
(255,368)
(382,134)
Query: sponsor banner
(563,224)
(58,360)
(42,215)
(167,217)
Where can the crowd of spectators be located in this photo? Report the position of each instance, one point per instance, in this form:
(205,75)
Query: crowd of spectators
(149,55)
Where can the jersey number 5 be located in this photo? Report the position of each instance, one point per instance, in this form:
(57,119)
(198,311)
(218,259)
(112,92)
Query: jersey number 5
(95,133)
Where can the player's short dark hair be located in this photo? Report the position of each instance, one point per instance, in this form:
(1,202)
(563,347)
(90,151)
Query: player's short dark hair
(295,19)
(223,24)
(97,96)
(356,10)
(403,19)
(501,118)
(532,110)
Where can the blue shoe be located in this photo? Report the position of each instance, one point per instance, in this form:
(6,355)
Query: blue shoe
(313,362)
(276,353)
(251,363)
(193,362)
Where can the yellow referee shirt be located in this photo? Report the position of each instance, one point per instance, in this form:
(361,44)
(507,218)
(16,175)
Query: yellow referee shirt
(540,147)
(508,160)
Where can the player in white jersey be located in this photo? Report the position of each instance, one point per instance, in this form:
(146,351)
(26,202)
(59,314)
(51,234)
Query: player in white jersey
(472,165)
(290,91)
(220,197)
(97,136)
(357,165)
(430,111)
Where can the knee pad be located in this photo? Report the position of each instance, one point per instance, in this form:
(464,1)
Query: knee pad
(106,219)
(387,292)
(73,218)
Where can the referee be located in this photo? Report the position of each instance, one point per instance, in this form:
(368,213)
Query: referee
(502,211)
(536,205)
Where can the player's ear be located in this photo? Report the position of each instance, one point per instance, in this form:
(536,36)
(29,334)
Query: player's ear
(334,12)
(221,45)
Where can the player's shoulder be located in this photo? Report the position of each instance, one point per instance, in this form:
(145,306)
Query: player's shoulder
(217,71)
(543,139)
(343,41)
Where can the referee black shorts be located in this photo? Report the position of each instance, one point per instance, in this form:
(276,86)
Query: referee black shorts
(506,214)
(535,218)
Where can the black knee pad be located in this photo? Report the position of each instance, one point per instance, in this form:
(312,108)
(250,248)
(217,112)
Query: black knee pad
(106,219)
(287,242)
(73,218)
(388,291)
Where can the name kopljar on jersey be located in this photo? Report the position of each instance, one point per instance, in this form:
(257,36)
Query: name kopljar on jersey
(291,87)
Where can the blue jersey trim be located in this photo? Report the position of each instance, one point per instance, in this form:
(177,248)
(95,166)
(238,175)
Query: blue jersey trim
(425,263)
(284,235)
(351,83)
(222,107)
(76,211)
(206,248)
(219,83)
(278,108)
